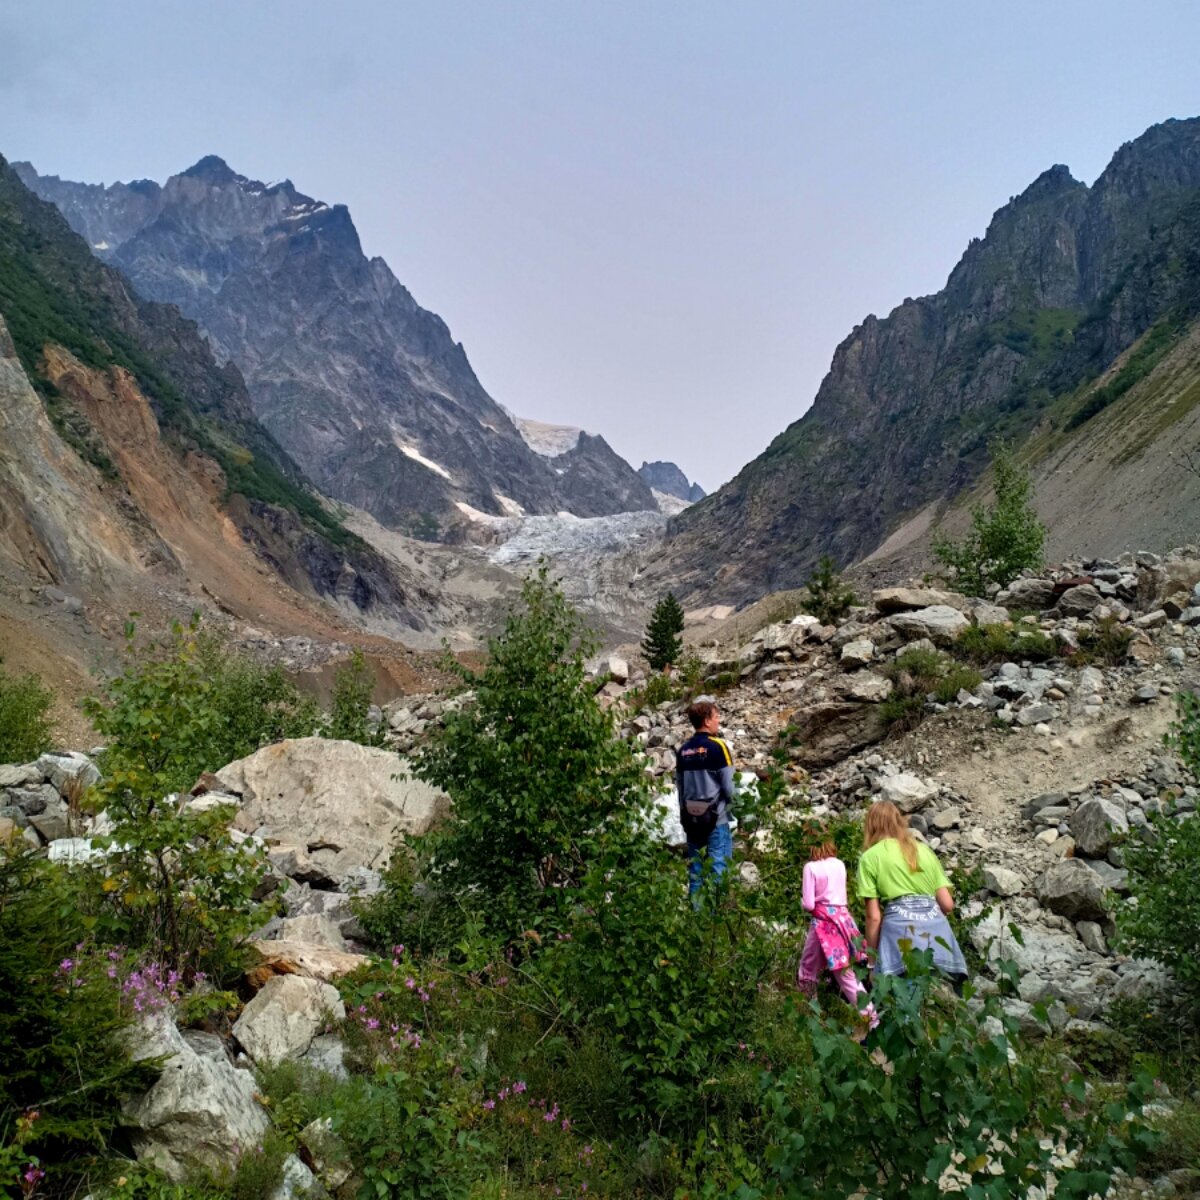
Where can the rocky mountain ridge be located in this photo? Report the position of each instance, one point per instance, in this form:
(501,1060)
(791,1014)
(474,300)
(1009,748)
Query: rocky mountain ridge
(1067,307)
(667,477)
(365,389)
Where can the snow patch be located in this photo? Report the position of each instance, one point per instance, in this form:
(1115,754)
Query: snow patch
(510,506)
(415,454)
(99,245)
(548,440)
(473,514)
(669,505)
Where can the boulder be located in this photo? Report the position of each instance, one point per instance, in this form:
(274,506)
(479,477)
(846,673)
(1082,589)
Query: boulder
(1079,601)
(909,599)
(940,623)
(284,1017)
(1094,823)
(1032,594)
(314,929)
(201,1109)
(1000,881)
(299,958)
(29,775)
(857,653)
(1072,890)
(866,687)
(830,731)
(985,614)
(296,1182)
(907,792)
(618,668)
(345,804)
(69,770)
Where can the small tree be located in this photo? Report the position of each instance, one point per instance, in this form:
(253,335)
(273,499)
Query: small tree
(825,596)
(349,714)
(538,777)
(25,728)
(1006,537)
(1164,924)
(662,644)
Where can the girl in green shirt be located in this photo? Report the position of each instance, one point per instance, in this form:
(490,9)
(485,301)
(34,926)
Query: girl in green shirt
(907,896)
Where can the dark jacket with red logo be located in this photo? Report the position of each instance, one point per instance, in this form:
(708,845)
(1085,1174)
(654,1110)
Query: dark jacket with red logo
(704,774)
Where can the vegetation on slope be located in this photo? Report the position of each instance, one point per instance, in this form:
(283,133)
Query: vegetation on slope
(54,291)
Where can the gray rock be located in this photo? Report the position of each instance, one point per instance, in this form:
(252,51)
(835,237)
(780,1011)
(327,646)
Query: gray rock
(1190,616)
(858,653)
(1092,936)
(311,930)
(1146,695)
(1034,594)
(51,825)
(327,1054)
(908,793)
(34,800)
(1036,714)
(1091,679)
(866,687)
(200,1110)
(989,614)
(282,1020)
(1111,878)
(70,770)
(1045,800)
(1177,656)
(910,599)
(296,1182)
(948,818)
(1072,890)
(1051,816)
(1094,824)
(940,623)
(28,775)
(1079,601)
(1001,881)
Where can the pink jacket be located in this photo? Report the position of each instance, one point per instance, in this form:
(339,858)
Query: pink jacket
(824,883)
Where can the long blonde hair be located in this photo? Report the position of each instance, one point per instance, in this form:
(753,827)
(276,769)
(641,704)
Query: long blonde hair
(885,820)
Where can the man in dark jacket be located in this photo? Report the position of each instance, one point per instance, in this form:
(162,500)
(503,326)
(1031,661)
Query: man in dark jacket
(704,781)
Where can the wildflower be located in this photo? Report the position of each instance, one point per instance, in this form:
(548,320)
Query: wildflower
(410,983)
(489,1104)
(373,1023)
(518,1087)
(65,965)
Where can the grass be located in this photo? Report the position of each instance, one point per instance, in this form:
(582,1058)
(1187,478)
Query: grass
(987,644)
(1145,356)
(917,675)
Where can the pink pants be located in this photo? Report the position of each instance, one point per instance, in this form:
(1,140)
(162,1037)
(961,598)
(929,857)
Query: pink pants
(812,966)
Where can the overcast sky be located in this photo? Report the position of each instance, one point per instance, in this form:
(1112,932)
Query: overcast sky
(653,219)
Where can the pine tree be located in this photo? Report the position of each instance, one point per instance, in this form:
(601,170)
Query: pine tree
(826,597)
(662,645)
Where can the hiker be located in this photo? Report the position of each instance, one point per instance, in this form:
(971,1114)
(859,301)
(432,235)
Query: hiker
(834,943)
(907,896)
(704,781)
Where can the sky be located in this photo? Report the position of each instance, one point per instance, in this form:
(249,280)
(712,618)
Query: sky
(651,218)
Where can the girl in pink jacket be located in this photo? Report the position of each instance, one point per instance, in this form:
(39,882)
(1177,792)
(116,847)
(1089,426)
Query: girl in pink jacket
(834,943)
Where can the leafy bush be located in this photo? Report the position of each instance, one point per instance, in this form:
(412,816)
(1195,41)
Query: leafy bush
(349,716)
(65,1068)
(658,689)
(825,596)
(987,644)
(25,727)
(184,705)
(1184,734)
(1005,539)
(1164,924)
(537,774)
(662,644)
(937,1107)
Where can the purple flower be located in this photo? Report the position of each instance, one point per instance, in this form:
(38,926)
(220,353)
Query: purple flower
(489,1104)
(518,1087)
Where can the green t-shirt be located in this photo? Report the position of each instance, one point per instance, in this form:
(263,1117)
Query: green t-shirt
(883,873)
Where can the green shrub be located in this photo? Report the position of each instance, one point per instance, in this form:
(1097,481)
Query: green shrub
(1164,924)
(658,689)
(65,1068)
(663,644)
(1184,734)
(918,674)
(938,1089)
(25,727)
(826,596)
(538,776)
(988,644)
(353,686)
(1148,353)
(1107,643)
(1005,539)
(183,704)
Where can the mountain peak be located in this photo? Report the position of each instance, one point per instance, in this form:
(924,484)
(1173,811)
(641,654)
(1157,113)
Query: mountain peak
(212,169)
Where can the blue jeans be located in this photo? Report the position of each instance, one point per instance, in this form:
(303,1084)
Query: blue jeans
(719,850)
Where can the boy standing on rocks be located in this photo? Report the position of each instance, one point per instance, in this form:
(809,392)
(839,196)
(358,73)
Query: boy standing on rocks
(704,780)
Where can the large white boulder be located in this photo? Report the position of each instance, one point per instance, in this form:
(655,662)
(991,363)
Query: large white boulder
(1072,890)
(940,623)
(1095,823)
(344,804)
(908,599)
(284,1017)
(201,1112)
(909,793)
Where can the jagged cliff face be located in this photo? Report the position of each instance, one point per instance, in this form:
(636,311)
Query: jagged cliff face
(129,453)
(666,477)
(365,389)
(1065,280)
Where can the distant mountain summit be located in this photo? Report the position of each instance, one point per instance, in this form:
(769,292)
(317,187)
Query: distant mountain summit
(668,478)
(1065,329)
(364,388)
